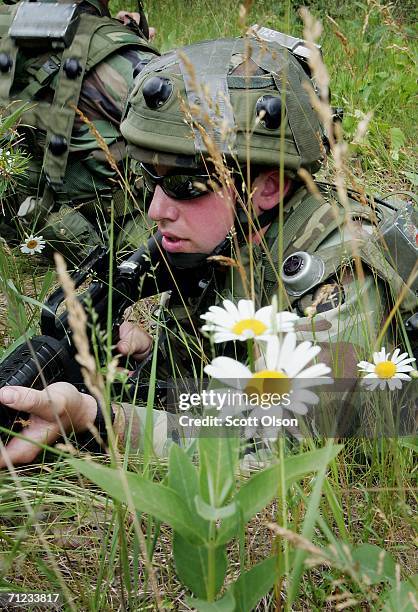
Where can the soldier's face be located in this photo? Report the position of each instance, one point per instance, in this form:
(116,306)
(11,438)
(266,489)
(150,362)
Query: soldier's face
(193,226)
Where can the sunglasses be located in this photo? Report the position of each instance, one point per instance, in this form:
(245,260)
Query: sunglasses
(185,186)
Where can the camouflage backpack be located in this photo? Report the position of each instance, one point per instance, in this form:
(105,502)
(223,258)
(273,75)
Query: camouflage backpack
(46,51)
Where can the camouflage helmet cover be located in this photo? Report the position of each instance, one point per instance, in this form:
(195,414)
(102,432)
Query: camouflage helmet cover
(212,92)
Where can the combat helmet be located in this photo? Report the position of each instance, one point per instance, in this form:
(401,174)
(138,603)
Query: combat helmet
(246,96)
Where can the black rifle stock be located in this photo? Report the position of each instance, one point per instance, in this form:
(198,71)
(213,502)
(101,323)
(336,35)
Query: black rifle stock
(49,358)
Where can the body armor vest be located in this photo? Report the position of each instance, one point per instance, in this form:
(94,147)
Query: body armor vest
(48,74)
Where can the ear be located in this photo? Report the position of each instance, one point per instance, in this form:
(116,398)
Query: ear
(266,189)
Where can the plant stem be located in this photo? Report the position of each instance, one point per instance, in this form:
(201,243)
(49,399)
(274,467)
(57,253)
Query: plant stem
(250,351)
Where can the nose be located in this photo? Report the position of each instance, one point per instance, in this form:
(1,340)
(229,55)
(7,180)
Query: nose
(162,207)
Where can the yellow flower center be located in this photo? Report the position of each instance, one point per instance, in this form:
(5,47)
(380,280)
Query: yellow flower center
(385,369)
(257,327)
(32,244)
(268,381)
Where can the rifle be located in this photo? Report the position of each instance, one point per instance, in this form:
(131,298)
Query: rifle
(49,358)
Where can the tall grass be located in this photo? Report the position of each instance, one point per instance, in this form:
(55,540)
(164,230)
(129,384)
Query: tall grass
(59,532)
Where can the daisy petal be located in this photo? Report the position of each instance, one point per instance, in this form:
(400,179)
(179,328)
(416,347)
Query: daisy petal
(246,309)
(226,369)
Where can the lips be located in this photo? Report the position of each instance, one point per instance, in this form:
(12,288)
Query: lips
(172,243)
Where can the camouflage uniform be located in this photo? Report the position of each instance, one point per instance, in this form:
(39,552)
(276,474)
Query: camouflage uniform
(71,206)
(343,308)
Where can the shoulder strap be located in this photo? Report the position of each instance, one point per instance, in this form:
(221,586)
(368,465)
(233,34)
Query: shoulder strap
(109,37)
(63,108)
(96,39)
(308,222)
(7,47)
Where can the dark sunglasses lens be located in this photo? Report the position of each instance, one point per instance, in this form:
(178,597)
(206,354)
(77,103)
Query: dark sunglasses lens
(184,187)
(178,186)
(150,181)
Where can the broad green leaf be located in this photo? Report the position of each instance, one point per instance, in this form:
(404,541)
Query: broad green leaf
(375,563)
(412,177)
(182,477)
(161,502)
(409,442)
(251,586)
(218,457)
(10,121)
(398,139)
(212,513)
(226,604)
(192,566)
(258,492)
(402,598)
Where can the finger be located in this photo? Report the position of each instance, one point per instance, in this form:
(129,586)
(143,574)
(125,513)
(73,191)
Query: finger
(133,341)
(19,451)
(29,400)
(126,328)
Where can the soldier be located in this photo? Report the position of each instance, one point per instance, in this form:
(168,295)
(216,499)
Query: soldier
(75,81)
(194,123)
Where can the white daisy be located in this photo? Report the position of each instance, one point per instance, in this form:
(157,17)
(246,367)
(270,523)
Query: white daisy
(386,370)
(33,244)
(281,371)
(243,322)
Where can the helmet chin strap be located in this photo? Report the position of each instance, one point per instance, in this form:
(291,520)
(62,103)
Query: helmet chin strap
(184,261)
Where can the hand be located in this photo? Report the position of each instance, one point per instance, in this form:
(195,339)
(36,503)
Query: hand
(134,341)
(57,409)
(126,16)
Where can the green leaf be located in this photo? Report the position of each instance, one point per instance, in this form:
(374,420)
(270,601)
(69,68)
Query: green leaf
(182,477)
(46,284)
(10,121)
(212,513)
(258,492)
(21,340)
(31,301)
(310,521)
(412,177)
(402,598)
(158,500)
(375,563)
(409,442)
(251,586)
(218,459)
(398,139)
(226,604)
(192,566)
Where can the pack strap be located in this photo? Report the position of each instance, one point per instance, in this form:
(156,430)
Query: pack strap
(63,108)
(8,47)
(306,226)
(42,77)
(292,225)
